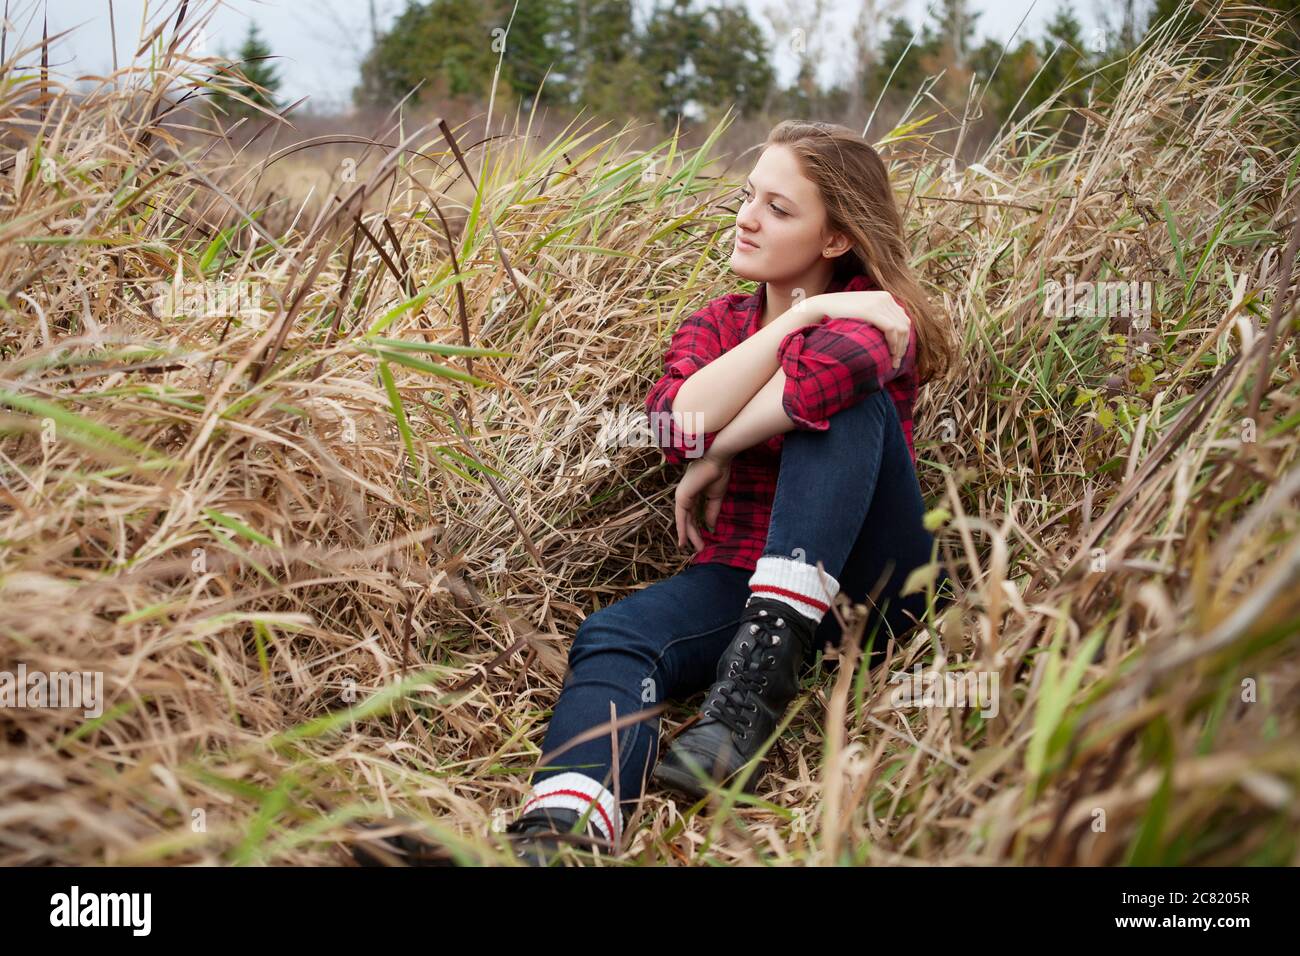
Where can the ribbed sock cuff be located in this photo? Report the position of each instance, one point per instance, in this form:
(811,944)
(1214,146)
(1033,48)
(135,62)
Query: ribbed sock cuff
(577,791)
(805,587)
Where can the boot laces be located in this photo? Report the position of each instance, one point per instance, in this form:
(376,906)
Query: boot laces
(733,696)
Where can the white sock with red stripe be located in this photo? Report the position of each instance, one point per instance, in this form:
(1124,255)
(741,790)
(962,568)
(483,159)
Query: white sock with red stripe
(577,791)
(805,587)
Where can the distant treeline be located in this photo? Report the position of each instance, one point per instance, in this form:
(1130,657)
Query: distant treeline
(687,61)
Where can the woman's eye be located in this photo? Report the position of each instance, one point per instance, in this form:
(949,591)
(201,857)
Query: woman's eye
(775,208)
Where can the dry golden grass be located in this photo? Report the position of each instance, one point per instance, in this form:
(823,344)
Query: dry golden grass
(327,553)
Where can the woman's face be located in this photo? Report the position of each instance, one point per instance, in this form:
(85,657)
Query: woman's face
(782,216)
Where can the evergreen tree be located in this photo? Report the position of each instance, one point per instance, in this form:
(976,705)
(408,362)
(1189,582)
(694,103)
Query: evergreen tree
(949,51)
(252,74)
(595,49)
(901,56)
(440,49)
(735,63)
(1004,76)
(584,50)
(1064,61)
(956,30)
(705,59)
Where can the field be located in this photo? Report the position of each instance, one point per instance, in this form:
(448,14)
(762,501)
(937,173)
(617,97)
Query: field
(323,490)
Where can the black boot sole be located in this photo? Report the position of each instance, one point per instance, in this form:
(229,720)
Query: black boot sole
(684,782)
(399,850)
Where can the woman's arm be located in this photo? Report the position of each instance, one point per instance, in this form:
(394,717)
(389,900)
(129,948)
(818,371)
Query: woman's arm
(695,343)
(707,390)
(821,371)
(874,306)
(709,475)
(712,396)
(763,417)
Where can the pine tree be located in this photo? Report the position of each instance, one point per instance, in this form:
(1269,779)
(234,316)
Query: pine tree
(1063,56)
(705,59)
(252,74)
(900,55)
(955,23)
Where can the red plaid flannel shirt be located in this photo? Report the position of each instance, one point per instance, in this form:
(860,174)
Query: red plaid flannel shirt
(829,365)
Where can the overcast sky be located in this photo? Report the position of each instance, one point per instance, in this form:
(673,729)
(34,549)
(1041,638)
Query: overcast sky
(322,41)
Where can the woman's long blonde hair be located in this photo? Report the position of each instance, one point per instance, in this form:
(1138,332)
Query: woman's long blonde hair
(854,185)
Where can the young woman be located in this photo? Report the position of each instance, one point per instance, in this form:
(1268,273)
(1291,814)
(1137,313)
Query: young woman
(792,410)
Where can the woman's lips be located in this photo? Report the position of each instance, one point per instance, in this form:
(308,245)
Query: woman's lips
(745,244)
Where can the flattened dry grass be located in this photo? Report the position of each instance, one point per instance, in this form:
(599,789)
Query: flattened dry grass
(328,552)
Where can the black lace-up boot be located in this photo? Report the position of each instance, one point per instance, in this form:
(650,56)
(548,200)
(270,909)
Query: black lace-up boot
(401,849)
(757,677)
(538,834)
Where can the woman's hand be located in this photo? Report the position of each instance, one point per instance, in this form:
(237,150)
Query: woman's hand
(876,307)
(705,481)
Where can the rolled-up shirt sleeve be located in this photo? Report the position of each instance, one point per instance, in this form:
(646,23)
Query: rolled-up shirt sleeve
(834,364)
(694,344)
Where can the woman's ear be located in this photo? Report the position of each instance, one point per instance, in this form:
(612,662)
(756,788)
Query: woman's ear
(836,245)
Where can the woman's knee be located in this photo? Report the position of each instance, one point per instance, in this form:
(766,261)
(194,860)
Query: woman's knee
(614,630)
(600,628)
(866,418)
(862,433)
(872,406)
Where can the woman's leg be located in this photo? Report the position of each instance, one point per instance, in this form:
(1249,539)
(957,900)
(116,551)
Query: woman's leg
(847,499)
(851,485)
(891,542)
(657,644)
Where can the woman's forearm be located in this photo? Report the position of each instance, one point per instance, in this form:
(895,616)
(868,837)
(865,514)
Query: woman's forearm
(717,392)
(844,305)
(761,418)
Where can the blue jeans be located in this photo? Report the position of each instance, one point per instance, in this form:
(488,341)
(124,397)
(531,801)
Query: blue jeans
(847,496)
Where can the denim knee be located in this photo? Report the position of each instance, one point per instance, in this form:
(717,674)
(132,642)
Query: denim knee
(878,398)
(874,401)
(596,629)
(860,415)
(609,629)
